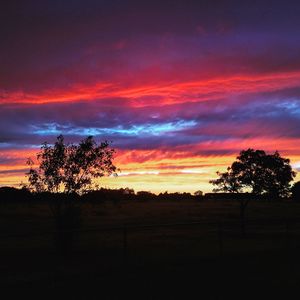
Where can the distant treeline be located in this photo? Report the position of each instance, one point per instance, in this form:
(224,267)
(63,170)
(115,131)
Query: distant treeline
(10,194)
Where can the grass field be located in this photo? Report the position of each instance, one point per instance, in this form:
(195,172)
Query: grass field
(113,256)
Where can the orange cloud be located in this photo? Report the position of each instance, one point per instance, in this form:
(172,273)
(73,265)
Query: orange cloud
(155,170)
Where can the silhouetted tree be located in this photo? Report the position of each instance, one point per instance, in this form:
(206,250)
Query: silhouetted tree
(296,191)
(70,168)
(63,172)
(258,173)
(128,191)
(175,196)
(144,195)
(10,194)
(198,194)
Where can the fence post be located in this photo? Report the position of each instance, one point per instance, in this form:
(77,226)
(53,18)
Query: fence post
(125,244)
(220,238)
(287,238)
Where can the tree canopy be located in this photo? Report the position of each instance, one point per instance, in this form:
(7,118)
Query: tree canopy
(70,168)
(256,172)
(296,191)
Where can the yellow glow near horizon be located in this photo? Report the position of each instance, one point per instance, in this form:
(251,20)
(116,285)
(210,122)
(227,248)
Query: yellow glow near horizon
(155,176)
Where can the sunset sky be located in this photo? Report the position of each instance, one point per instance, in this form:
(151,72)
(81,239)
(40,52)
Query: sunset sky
(179,87)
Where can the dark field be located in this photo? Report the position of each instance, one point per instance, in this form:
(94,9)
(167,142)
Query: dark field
(150,250)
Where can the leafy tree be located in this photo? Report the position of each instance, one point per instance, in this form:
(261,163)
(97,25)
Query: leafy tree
(257,173)
(296,191)
(70,168)
(63,172)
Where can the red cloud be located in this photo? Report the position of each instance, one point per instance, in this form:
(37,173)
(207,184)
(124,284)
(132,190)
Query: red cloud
(166,92)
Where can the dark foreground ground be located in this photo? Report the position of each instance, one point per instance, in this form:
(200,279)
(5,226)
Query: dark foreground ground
(262,276)
(113,257)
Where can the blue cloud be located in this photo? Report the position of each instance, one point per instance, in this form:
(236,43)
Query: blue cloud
(144,130)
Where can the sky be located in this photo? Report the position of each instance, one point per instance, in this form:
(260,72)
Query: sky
(179,87)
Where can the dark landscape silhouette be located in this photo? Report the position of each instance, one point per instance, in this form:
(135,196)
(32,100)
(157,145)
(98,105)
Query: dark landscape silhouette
(62,237)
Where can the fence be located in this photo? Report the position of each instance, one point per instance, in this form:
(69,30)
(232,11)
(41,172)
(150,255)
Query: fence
(191,238)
